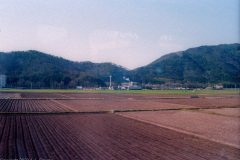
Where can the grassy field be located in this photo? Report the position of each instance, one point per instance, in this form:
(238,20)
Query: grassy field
(129,91)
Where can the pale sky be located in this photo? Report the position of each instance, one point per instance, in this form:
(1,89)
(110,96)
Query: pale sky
(130,33)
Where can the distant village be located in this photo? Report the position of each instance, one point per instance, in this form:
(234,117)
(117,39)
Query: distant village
(129,85)
(137,86)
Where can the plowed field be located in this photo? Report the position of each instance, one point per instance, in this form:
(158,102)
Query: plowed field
(114,95)
(86,102)
(118,104)
(4,95)
(214,127)
(74,126)
(204,102)
(99,136)
(96,95)
(26,105)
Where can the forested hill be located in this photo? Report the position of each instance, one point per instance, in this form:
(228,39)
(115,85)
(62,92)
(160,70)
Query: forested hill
(205,64)
(43,71)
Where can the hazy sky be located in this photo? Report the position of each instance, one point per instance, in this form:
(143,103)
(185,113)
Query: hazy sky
(131,33)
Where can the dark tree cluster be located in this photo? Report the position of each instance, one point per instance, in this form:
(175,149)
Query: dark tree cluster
(205,64)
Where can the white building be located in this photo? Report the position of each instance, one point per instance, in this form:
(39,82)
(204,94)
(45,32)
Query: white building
(130,86)
(79,87)
(3,81)
(219,87)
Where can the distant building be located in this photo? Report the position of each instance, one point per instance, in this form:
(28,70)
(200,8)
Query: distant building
(135,87)
(79,87)
(219,87)
(124,86)
(130,86)
(3,81)
(209,88)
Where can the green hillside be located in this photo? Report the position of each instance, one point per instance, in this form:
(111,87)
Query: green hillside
(41,70)
(205,64)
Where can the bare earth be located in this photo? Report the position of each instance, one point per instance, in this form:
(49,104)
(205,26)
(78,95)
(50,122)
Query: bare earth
(213,127)
(102,137)
(204,102)
(73,126)
(118,104)
(10,95)
(234,112)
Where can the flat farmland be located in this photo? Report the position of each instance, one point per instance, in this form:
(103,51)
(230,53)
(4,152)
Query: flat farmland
(9,95)
(224,129)
(205,102)
(92,105)
(232,112)
(42,95)
(94,102)
(100,136)
(118,104)
(121,95)
(113,95)
(31,105)
(142,126)
(96,95)
(150,102)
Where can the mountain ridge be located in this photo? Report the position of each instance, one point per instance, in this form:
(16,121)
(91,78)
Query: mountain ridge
(204,61)
(204,64)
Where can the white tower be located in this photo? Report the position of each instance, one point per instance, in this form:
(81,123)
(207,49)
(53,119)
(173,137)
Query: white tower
(110,86)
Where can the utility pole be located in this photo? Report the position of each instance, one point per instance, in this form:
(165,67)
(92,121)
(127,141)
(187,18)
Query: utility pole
(235,88)
(1,85)
(1,79)
(110,82)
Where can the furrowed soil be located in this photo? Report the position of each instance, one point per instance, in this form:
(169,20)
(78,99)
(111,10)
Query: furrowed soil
(100,136)
(31,105)
(140,126)
(91,102)
(213,127)
(231,112)
(9,95)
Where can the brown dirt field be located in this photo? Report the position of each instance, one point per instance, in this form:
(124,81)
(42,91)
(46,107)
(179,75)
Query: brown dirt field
(214,127)
(116,95)
(44,102)
(218,96)
(118,104)
(100,136)
(234,112)
(98,95)
(27,105)
(146,135)
(121,95)
(9,95)
(145,102)
(204,102)
(42,95)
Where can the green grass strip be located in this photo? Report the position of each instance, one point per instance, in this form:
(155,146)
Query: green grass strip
(220,92)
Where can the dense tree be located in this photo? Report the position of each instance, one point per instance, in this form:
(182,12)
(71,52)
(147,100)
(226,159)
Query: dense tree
(45,71)
(205,64)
